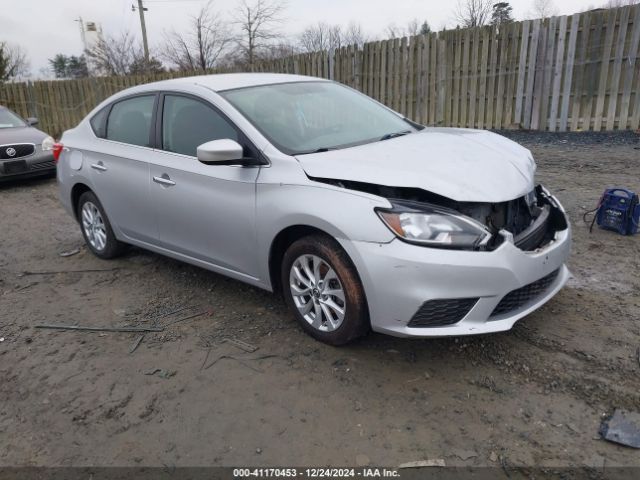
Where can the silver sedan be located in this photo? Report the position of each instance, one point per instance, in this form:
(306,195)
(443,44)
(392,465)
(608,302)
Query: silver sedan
(363,219)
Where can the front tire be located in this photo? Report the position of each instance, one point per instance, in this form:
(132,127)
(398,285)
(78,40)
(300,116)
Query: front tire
(96,229)
(322,288)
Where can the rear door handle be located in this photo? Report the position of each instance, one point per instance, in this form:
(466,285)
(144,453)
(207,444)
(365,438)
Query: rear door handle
(99,166)
(164,180)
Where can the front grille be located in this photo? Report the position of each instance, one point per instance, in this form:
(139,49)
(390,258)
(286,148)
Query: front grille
(43,165)
(523,295)
(441,312)
(18,150)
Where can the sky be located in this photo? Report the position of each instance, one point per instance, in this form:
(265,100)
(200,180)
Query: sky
(52,27)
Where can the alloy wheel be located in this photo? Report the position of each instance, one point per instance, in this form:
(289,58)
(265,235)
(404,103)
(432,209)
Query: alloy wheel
(93,226)
(317,293)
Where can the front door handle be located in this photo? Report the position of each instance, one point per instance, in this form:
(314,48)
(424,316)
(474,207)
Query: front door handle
(164,180)
(99,166)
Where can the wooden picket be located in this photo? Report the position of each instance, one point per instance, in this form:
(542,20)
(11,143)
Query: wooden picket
(568,73)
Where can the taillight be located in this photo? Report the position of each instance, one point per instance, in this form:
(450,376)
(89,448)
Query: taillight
(57,150)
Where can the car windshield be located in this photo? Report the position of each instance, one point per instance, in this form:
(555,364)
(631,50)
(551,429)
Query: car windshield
(8,119)
(308,117)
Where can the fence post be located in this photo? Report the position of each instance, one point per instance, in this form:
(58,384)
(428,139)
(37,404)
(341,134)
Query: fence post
(32,106)
(332,61)
(562,73)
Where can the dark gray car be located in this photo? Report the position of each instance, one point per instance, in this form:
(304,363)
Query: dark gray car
(25,151)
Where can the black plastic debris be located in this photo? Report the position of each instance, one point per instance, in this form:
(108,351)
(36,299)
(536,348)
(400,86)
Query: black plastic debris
(622,427)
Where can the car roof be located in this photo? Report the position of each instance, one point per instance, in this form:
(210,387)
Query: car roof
(230,81)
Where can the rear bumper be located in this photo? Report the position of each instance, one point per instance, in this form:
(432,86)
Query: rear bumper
(399,278)
(38,164)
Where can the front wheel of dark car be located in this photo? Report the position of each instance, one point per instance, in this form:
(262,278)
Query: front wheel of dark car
(322,288)
(96,229)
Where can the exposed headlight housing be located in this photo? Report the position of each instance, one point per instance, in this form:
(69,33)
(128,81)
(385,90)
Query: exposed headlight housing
(47,143)
(434,226)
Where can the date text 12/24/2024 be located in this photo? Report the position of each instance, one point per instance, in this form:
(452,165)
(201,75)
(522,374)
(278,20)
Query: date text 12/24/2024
(307,473)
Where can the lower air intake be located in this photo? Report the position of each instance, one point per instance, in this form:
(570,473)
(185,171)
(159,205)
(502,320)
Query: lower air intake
(442,312)
(523,295)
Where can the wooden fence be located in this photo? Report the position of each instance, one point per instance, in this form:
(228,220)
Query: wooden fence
(568,73)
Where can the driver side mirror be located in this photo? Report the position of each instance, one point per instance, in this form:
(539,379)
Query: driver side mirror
(31,121)
(220,152)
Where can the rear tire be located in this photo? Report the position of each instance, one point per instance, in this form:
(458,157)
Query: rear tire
(322,288)
(96,229)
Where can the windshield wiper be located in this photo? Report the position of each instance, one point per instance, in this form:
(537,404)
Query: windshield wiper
(318,150)
(394,135)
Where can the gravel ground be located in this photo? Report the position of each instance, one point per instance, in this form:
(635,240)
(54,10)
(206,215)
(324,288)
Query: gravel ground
(186,397)
(536,139)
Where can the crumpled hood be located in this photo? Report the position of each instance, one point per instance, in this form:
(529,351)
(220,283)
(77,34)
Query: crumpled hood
(460,164)
(21,135)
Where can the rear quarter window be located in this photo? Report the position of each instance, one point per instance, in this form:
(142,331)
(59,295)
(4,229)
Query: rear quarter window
(99,122)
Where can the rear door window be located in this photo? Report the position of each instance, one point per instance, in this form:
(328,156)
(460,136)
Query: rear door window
(130,121)
(188,123)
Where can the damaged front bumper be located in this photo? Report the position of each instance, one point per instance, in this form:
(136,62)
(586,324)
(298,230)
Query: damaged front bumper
(427,292)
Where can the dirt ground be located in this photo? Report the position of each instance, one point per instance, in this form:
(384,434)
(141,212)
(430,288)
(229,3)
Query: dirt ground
(533,396)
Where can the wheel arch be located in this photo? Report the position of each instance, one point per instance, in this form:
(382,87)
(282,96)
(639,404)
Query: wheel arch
(285,238)
(281,242)
(77,190)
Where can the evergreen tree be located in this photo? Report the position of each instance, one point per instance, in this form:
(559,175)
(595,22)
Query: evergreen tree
(77,67)
(140,66)
(501,13)
(59,65)
(69,66)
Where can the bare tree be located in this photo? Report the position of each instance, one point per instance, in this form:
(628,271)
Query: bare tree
(321,36)
(177,51)
(324,36)
(336,37)
(411,29)
(279,50)
(114,55)
(393,31)
(201,48)
(473,13)
(258,21)
(13,62)
(543,9)
(353,35)
(618,3)
(232,59)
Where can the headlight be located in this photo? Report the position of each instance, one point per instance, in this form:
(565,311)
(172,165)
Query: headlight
(433,226)
(47,143)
